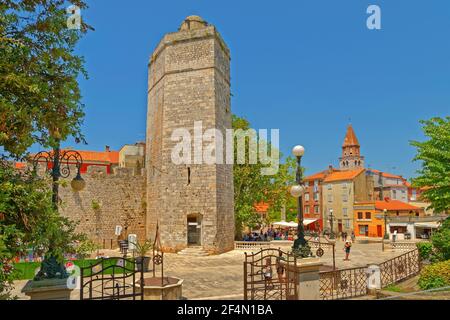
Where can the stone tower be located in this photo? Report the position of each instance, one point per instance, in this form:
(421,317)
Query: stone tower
(189,81)
(351,156)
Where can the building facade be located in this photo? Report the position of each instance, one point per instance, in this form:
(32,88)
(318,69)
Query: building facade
(340,191)
(132,156)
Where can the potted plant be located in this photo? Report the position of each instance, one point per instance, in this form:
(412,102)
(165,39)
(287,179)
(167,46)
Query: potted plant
(141,249)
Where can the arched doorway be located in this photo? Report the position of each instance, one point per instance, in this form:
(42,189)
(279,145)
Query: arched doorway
(194,229)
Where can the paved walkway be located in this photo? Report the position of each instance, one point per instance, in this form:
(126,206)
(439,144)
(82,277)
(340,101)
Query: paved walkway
(221,276)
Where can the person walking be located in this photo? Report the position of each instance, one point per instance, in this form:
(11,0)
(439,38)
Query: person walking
(353,236)
(347,247)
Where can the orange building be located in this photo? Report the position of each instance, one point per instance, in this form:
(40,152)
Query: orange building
(369,216)
(367,222)
(262,209)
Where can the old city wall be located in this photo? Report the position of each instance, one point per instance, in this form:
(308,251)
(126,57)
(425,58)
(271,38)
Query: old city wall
(106,201)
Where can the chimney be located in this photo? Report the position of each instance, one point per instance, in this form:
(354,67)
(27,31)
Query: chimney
(330,169)
(107,148)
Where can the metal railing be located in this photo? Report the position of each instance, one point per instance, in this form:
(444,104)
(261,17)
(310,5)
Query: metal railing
(400,268)
(350,283)
(251,245)
(343,284)
(407,246)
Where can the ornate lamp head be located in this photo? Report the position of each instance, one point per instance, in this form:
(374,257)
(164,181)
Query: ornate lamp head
(78,182)
(298,151)
(296,191)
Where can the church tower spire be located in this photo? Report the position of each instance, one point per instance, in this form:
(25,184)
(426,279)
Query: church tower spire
(351,156)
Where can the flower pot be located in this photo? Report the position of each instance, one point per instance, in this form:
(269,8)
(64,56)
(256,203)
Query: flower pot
(146,262)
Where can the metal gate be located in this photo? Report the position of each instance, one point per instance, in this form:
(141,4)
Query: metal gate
(270,274)
(112,279)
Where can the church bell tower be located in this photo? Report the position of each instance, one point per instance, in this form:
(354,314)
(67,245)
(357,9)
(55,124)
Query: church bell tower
(351,157)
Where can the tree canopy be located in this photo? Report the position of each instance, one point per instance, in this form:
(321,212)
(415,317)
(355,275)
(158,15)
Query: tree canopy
(434,154)
(40,100)
(252,187)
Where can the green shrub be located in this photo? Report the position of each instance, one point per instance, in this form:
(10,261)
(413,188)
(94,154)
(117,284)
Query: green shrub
(435,276)
(441,241)
(425,250)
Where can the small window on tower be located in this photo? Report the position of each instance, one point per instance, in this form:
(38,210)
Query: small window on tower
(189,175)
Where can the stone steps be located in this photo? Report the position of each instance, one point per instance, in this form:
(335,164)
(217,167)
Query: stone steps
(193,251)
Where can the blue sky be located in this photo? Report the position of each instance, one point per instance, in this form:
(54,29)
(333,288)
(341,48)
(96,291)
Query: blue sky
(305,67)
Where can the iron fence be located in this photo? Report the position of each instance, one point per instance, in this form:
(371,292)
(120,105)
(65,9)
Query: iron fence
(112,279)
(406,246)
(400,268)
(343,284)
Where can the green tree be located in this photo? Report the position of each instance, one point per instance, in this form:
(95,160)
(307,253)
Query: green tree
(251,186)
(434,154)
(30,221)
(441,241)
(40,100)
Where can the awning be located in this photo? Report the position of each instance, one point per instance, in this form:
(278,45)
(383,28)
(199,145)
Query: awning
(281,224)
(293,224)
(308,221)
(398,224)
(431,224)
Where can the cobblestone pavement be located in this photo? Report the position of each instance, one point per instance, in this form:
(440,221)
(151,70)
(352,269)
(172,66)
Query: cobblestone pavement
(221,276)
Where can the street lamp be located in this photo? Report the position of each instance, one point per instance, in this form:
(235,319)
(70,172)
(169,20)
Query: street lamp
(61,161)
(300,247)
(331,224)
(386,234)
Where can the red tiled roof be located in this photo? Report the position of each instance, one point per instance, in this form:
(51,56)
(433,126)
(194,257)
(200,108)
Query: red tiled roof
(343,175)
(110,157)
(261,207)
(100,156)
(394,205)
(20,165)
(387,174)
(320,175)
(316,176)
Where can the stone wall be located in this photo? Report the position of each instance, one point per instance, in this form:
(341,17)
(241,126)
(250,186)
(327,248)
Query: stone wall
(106,201)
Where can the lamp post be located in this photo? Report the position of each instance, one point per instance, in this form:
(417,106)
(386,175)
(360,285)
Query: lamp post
(331,224)
(300,247)
(386,234)
(61,160)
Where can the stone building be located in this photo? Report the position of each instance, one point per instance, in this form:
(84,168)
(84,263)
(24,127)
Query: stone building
(189,81)
(132,156)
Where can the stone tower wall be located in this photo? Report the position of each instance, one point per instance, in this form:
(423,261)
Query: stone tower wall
(189,81)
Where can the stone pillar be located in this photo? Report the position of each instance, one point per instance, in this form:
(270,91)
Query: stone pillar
(373,279)
(51,289)
(307,272)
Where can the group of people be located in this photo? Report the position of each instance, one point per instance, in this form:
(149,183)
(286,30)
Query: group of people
(268,234)
(344,236)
